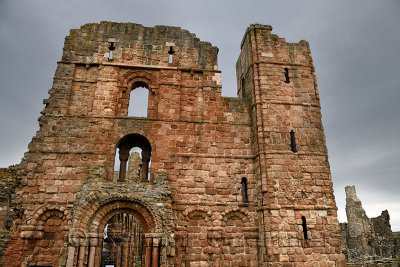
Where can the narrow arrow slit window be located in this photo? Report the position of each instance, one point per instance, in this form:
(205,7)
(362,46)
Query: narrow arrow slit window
(111,48)
(171,53)
(287,75)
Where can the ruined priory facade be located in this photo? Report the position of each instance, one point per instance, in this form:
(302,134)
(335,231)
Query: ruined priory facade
(222,181)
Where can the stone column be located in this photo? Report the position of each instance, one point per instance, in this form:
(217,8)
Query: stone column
(73,244)
(97,257)
(155,254)
(123,157)
(125,252)
(93,243)
(71,254)
(147,251)
(82,252)
(145,167)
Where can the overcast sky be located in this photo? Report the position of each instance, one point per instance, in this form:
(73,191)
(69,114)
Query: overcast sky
(355,47)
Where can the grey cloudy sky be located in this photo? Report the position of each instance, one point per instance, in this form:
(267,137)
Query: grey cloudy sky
(355,47)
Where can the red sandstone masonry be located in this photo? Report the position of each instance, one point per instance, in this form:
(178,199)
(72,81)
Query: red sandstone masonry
(202,145)
(298,184)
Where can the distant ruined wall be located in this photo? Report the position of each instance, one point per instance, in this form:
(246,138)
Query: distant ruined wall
(359,227)
(8,181)
(367,241)
(384,244)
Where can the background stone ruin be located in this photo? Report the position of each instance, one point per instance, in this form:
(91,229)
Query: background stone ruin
(368,241)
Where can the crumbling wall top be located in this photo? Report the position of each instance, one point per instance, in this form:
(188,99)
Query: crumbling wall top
(351,193)
(267,30)
(136,44)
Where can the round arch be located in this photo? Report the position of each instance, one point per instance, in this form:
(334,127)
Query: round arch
(133,79)
(139,83)
(134,140)
(102,215)
(101,218)
(240,213)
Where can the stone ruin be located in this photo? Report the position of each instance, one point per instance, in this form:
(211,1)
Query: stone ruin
(368,242)
(233,181)
(134,168)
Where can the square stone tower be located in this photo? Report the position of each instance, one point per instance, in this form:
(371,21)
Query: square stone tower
(218,181)
(296,205)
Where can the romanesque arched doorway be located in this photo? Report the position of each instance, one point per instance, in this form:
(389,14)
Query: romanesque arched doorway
(118,233)
(126,231)
(122,243)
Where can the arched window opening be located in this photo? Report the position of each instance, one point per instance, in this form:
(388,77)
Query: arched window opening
(132,159)
(287,75)
(244,190)
(293,142)
(138,102)
(304,224)
(122,241)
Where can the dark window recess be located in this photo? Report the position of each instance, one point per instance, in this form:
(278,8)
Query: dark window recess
(304,224)
(244,190)
(48,236)
(171,53)
(287,75)
(243,91)
(293,142)
(111,48)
